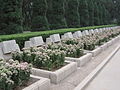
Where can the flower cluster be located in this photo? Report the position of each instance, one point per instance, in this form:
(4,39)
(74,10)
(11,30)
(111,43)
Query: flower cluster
(13,74)
(42,58)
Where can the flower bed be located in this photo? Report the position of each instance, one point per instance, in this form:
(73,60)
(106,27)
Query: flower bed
(82,60)
(13,74)
(47,63)
(41,84)
(57,75)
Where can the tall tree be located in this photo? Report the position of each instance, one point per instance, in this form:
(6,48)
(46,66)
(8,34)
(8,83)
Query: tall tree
(84,13)
(91,12)
(39,20)
(11,16)
(27,14)
(55,14)
(72,14)
(96,14)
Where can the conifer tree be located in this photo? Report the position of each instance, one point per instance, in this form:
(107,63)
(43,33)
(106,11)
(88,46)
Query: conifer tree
(39,20)
(83,12)
(11,16)
(91,12)
(56,13)
(72,14)
(96,14)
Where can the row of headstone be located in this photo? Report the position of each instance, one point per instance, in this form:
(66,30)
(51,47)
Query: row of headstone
(7,47)
(38,41)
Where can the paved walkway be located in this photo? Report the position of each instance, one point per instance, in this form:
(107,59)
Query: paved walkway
(109,77)
(74,79)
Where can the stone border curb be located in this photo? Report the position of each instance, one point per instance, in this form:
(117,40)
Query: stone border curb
(82,60)
(41,84)
(93,74)
(58,75)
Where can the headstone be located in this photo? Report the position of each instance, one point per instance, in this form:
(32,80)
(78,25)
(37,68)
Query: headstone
(48,40)
(28,44)
(63,37)
(9,46)
(86,32)
(77,34)
(100,30)
(55,38)
(1,54)
(91,31)
(96,31)
(37,41)
(68,35)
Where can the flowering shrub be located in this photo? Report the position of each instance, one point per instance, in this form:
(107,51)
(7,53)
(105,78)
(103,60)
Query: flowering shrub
(70,41)
(13,74)
(71,50)
(42,58)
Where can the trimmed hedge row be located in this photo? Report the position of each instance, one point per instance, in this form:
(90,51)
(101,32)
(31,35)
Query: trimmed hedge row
(21,38)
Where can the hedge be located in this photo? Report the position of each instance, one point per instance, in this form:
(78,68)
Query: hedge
(21,38)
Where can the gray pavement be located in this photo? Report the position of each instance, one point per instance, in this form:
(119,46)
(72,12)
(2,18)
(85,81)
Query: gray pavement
(109,77)
(74,79)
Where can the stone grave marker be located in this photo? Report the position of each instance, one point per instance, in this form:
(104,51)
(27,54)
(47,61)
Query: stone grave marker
(9,46)
(91,31)
(77,34)
(55,38)
(48,40)
(37,41)
(28,44)
(68,35)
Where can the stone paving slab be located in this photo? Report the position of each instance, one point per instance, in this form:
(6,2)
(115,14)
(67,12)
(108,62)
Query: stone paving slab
(109,77)
(74,79)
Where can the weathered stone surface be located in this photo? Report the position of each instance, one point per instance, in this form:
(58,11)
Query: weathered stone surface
(49,40)
(77,34)
(41,84)
(9,46)
(96,51)
(68,35)
(82,60)
(55,38)
(28,44)
(58,75)
(1,54)
(37,41)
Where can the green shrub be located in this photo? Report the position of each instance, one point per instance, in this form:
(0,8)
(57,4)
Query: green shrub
(21,38)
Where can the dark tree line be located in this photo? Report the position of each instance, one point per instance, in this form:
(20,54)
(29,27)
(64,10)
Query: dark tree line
(17,16)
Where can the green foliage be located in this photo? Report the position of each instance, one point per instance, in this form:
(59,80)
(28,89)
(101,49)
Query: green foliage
(21,38)
(91,12)
(84,13)
(39,20)
(11,16)
(42,58)
(55,14)
(72,14)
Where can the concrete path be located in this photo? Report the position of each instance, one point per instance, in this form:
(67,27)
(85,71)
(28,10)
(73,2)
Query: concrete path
(109,77)
(74,79)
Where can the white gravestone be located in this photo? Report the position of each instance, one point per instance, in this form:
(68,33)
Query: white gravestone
(10,46)
(63,37)
(77,34)
(37,41)
(49,40)
(68,35)
(85,32)
(28,44)
(96,31)
(1,54)
(91,31)
(55,38)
